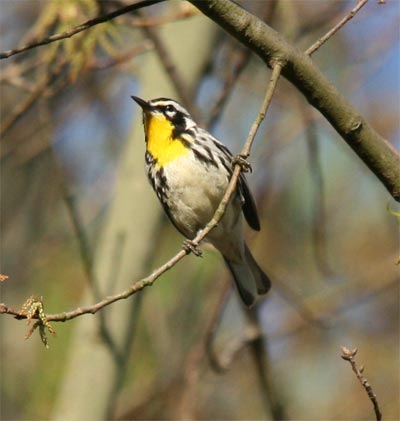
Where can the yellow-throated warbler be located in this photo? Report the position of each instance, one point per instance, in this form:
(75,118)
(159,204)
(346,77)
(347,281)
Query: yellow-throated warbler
(190,170)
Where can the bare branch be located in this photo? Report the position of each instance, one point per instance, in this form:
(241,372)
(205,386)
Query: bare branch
(311,50)
(375,151)
(80,28)
(276,72)
(93,309)
(149,280)
(348,355)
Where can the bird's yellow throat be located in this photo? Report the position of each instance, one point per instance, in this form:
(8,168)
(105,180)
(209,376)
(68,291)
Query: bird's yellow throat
(160,143)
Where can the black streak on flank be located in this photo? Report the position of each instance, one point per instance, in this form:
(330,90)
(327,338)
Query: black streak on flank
(203,158)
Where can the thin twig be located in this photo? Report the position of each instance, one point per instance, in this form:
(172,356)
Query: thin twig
(374,150)
(149,280)
(82,27)
(237,68)
(276,72)
(93,309)
(348,355)
(333,31)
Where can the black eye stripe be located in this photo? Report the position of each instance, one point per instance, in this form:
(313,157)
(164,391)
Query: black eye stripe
(167,109)
(175,113)
(177,117)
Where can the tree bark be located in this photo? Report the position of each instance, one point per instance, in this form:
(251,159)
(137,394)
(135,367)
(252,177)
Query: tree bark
(376,152)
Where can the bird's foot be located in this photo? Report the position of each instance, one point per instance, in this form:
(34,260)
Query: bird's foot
(190,247)
(241,160)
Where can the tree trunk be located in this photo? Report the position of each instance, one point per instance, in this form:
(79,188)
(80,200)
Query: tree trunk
(96,366)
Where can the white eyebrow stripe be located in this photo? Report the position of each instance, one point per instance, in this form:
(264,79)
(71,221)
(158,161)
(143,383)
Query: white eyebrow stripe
(165,102)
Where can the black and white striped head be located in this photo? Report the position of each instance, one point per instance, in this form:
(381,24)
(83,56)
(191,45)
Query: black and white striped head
(170,110)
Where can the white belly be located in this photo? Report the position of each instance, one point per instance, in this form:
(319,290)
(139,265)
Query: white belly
(197,192)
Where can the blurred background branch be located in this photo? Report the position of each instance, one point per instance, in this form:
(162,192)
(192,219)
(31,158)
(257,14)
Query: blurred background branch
(80,28)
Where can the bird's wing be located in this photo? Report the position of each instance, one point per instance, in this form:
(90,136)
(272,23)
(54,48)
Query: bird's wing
(249,204)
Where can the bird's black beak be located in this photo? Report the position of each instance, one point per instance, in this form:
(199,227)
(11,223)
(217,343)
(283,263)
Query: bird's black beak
(142,103)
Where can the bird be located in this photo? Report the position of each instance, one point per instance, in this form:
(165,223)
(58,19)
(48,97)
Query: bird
(189,171)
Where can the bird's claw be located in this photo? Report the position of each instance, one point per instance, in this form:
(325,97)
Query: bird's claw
(241,160)
(190,247)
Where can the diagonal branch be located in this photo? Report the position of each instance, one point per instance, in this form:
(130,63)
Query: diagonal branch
(311,50)
(149,280)
(82,27)
(375,151)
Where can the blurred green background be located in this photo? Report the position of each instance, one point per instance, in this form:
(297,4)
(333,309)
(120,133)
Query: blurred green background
(72,179)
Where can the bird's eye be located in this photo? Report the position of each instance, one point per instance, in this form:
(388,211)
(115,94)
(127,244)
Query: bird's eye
(169,108)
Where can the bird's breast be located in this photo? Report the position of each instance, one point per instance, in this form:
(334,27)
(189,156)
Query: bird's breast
(194,192)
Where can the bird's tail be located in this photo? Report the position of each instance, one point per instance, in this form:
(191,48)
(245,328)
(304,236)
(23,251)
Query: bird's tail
(249,278)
